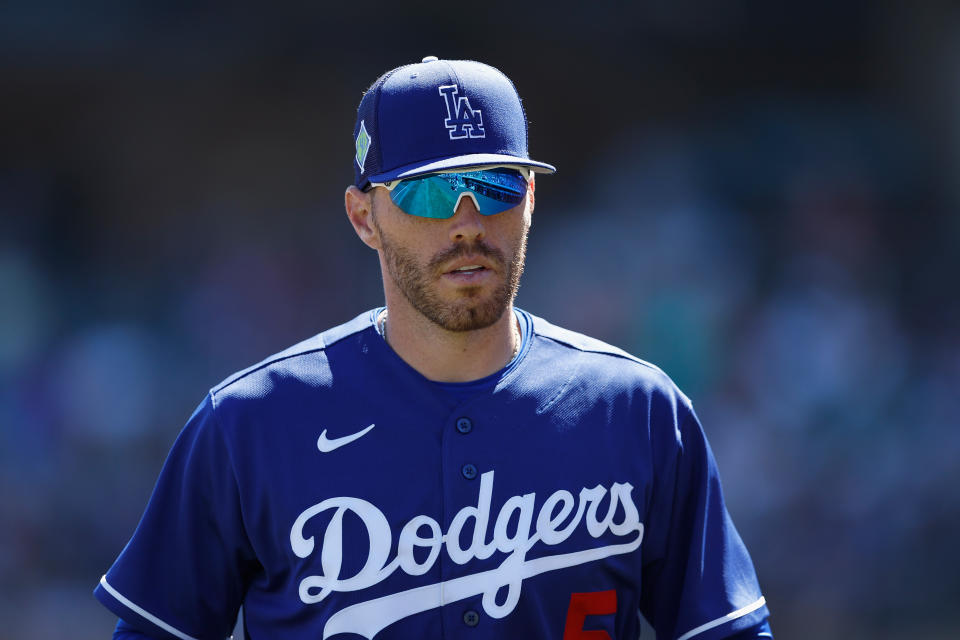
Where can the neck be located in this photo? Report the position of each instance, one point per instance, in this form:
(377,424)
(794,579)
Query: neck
(451,356)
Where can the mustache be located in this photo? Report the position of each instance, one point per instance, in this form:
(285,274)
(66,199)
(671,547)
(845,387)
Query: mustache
(461,250)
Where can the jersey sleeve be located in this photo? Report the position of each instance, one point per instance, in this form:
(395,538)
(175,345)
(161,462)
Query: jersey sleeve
(124,631)
(184,572)
(698,579)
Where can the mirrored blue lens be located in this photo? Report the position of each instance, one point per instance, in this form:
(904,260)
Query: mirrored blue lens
(436,195)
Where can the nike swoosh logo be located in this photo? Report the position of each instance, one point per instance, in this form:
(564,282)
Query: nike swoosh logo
(326,446)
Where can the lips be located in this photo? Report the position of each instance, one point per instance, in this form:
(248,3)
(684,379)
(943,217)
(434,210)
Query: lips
(470,268)
(468,265)
(469,271)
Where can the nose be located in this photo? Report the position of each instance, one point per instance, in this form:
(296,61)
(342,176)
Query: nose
(467,221)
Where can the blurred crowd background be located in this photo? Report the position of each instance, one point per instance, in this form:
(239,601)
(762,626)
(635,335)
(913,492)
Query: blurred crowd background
(759,197)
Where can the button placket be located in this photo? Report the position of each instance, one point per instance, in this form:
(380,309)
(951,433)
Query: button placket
(465,450)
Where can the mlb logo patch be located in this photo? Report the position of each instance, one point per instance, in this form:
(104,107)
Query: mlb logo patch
(462,120)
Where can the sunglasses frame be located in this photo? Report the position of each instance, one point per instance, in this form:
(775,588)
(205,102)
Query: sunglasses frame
(390,185)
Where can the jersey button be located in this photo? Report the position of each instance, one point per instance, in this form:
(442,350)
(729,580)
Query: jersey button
(471,618)
(464,425)
(469,471)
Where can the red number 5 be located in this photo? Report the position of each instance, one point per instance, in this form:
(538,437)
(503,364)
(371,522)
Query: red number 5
(595,603)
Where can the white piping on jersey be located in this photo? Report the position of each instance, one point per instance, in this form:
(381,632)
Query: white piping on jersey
(142,612)
(739,613)
(550,527)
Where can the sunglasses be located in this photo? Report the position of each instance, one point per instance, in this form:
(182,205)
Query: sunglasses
(437,195)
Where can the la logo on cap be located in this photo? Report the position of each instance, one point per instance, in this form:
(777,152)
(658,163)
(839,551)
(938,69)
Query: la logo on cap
(462,120)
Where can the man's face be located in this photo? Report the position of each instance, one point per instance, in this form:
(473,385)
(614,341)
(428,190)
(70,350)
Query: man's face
(461,273)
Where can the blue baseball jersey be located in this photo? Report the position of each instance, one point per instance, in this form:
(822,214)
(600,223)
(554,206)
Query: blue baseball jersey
(335,492)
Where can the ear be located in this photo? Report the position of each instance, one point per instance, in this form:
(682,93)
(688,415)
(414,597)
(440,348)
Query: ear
(359,206)
(531,188)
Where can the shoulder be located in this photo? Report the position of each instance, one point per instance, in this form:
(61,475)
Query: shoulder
(303,364)
(597,353)
(582,342)
(600,364)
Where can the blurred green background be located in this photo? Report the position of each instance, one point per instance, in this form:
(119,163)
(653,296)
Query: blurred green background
(759,197)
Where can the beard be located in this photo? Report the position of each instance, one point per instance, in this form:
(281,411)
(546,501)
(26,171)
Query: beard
(472,310)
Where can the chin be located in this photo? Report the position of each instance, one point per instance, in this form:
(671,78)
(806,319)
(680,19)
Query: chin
(469,314)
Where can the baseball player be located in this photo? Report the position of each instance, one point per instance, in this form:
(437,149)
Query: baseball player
(446,466)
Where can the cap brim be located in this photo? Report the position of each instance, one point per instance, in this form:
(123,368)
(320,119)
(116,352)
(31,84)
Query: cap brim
(457,162)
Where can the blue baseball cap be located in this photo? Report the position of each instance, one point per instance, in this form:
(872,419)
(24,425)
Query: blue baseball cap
(439,115)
